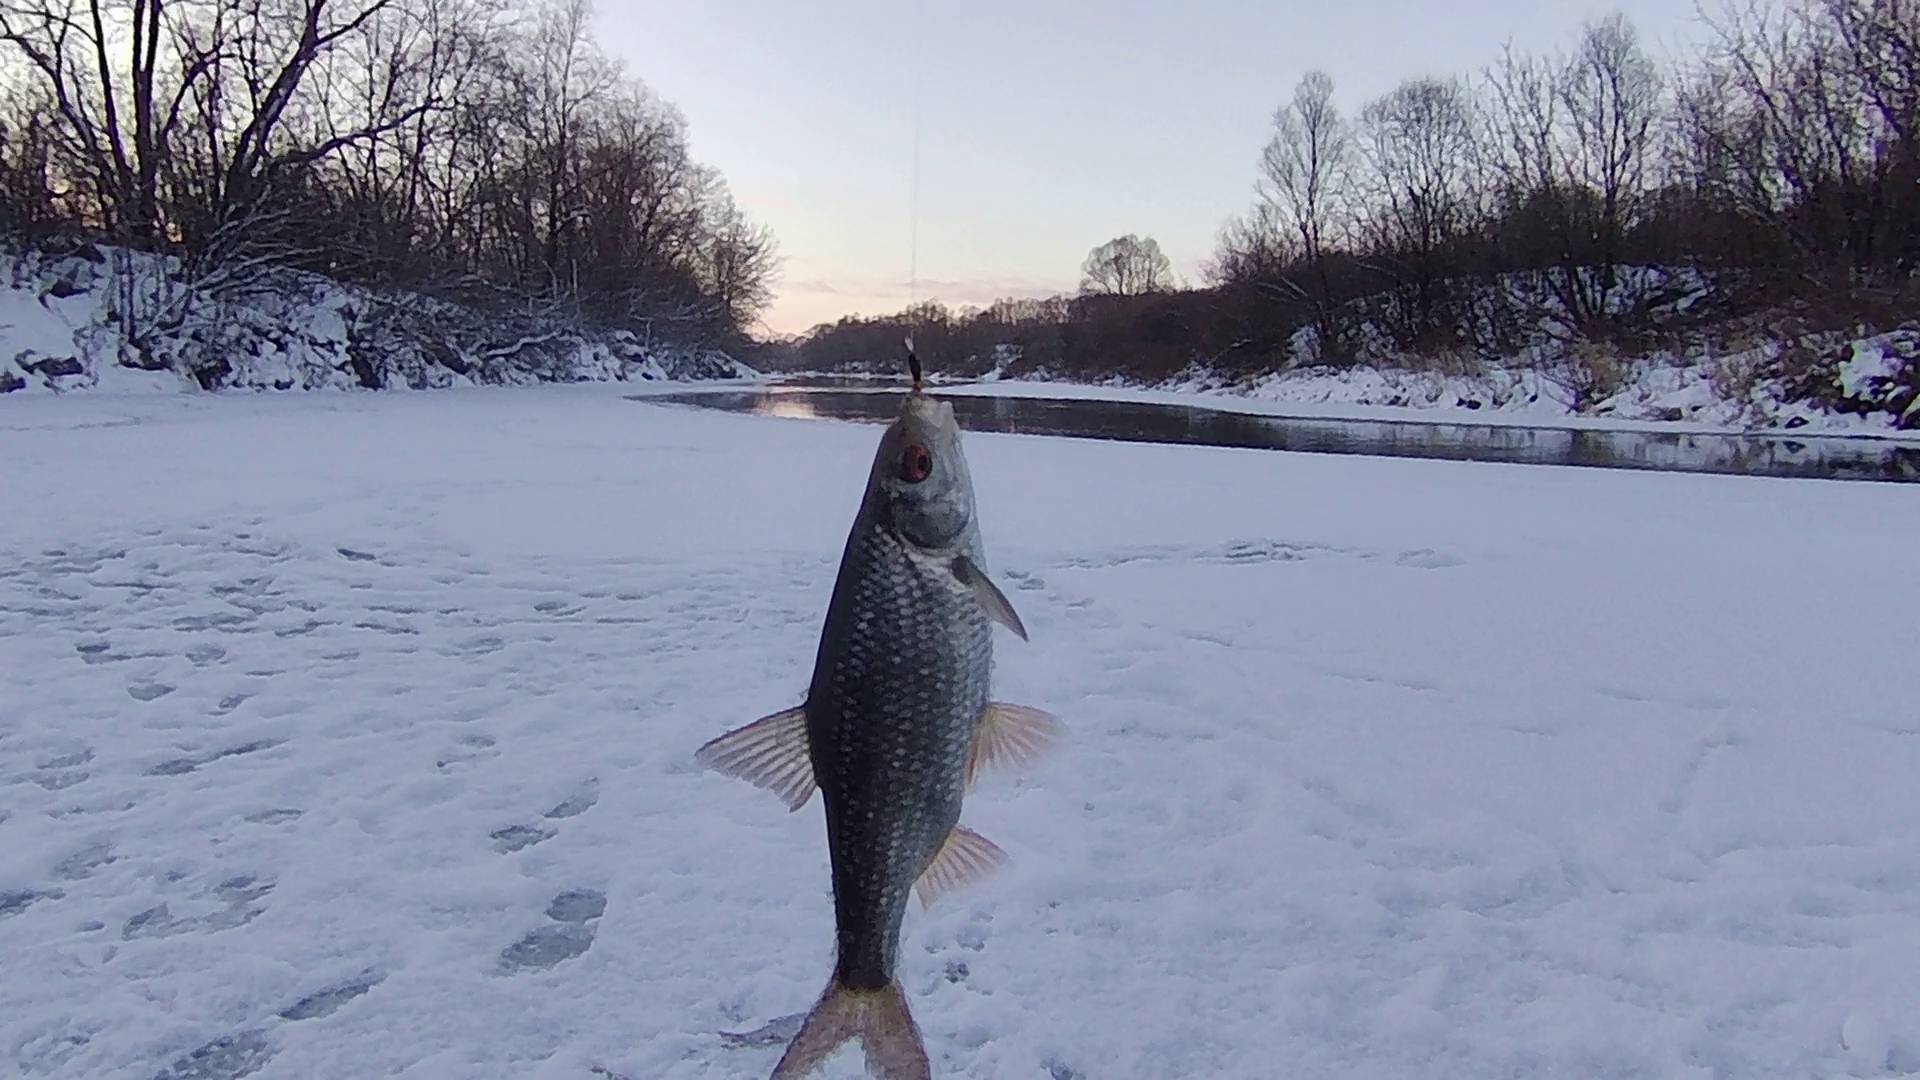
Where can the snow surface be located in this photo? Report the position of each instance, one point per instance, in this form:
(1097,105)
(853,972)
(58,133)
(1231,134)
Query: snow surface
(351,735)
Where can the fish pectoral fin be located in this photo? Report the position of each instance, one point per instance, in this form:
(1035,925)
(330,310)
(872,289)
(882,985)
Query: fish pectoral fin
(1013,735)
(989,594)
(771,753)
(964,858)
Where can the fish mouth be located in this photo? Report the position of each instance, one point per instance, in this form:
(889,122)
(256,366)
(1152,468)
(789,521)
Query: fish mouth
(932,412)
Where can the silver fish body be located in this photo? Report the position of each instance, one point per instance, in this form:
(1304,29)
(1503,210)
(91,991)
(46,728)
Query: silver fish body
(899,687)
(896,723)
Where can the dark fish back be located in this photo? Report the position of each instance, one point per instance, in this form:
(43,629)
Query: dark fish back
(900,683)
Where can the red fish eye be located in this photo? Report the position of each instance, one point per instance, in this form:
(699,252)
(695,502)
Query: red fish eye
(916,464)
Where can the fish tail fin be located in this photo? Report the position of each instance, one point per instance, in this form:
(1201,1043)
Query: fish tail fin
(878,1018)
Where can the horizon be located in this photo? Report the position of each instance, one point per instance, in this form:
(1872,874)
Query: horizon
(1021,172)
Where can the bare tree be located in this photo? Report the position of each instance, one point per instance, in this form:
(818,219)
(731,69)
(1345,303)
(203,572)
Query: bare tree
(1305,162)
(1303,179)
(1419,150)
(1251,249)
(1570,146)
(1522,146)
(737,262)
(28,203)
(483,149)
(1820,126)
(1611,93)
(1126,266)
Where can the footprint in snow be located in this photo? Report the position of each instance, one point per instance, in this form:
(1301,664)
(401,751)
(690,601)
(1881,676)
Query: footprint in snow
(202,655)
(15,901)
(156,921)
(1427,559)
(69,760)
(471,749)
(81,864)
(96,652)
(578,803)
(327,1002)
(149,691)
(479,646)
(577,906)
(226,1058)
(60,779)
(46,1052)
(546,947)
(574,913)
(228,621)
(230,703)
(182,765)
(515,837)
(241,896)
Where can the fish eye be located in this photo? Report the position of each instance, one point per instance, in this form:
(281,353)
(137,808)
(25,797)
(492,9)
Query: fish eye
(916,464)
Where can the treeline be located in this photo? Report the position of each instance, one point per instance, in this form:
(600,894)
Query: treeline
(1591,195)
(484,152)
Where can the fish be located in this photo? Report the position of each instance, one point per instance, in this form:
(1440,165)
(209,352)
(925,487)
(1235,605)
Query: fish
(896,727)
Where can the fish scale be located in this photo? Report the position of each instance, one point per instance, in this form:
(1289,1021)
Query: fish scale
(906,663)
(896,724)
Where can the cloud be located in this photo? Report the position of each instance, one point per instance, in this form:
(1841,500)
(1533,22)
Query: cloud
(800,305)
(947,290)
(813,286)
(985,291)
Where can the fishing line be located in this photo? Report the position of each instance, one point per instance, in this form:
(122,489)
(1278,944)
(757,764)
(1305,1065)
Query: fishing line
(913,207)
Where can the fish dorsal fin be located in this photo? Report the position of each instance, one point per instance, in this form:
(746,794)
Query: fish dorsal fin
(1012,735)
(964,858)
(770,753)
(989,594)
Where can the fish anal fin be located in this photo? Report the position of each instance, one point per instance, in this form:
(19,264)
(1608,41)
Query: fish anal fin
(991,598)
(770,753)
(964,858)
(1011,735)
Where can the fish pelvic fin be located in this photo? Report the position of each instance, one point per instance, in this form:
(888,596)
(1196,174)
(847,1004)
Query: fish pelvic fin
(771,753)
(964,858)
(991,598)
(878,1018)
(1011,735)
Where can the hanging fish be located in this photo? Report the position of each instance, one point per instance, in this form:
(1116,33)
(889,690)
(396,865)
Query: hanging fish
(895,727)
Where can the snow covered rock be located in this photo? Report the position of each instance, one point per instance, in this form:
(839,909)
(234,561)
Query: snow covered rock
(1875,377)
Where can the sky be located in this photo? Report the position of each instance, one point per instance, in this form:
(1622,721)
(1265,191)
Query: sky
(1041,129)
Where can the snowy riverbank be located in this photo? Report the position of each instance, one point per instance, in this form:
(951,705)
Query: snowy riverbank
(1653,396)
(62,330)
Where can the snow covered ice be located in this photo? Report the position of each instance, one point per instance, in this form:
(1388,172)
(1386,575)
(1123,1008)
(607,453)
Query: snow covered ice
(352,736)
